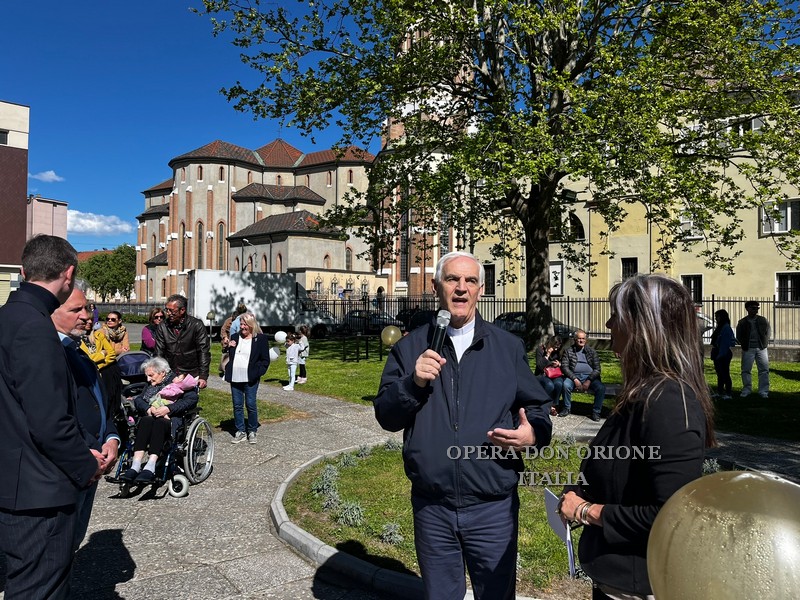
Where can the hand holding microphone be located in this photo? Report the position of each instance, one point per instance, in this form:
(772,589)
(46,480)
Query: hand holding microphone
(429,364)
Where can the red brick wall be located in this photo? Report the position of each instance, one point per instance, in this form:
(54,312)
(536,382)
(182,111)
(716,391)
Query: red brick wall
(13,203)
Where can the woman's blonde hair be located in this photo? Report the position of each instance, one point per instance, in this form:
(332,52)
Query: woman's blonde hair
(658,315)
(250,319)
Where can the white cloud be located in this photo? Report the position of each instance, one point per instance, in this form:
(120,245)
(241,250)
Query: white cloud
(47,177)
(92,224)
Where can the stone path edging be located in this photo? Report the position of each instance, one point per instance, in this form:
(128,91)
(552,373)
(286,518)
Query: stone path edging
(325,556)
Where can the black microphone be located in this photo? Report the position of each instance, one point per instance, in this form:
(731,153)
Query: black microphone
(442,321)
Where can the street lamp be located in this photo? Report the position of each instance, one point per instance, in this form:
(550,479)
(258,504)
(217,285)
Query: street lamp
(245,241)
(210,317)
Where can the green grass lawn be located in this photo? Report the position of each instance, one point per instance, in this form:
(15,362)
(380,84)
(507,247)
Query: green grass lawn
(542,556)
(357,381)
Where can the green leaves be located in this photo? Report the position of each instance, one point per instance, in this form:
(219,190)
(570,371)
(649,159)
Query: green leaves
(497,108)
(109,273)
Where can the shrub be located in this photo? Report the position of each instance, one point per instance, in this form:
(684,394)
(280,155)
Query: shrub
(391,534)
(331,501)
(364,450)
(711,465)
(326,482)
(351,514)
(393,444)
(347,460)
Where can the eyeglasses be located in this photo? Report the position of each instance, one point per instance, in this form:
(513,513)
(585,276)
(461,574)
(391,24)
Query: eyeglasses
(171,311)
(157,317)
(111,320)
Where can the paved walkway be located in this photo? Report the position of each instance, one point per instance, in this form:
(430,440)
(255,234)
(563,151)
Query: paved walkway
(218,542)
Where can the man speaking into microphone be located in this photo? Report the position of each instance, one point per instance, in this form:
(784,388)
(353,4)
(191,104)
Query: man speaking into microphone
(477,391)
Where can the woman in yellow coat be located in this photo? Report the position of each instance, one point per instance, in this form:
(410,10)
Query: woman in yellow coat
(100,349)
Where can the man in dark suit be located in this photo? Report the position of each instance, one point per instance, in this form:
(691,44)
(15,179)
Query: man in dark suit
(95,409)
(45,460)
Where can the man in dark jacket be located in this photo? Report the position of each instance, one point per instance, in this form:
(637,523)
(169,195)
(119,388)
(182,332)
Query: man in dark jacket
(752,333)
(581,367)
(95,411)
(465,414)
(183,341)
(45,460)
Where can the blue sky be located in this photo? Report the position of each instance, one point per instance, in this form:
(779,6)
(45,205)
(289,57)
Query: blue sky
(115,91)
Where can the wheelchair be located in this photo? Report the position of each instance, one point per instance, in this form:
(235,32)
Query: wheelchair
(186,459)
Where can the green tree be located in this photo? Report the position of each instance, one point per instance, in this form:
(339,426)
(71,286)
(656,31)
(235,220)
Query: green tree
(504,105)
(109,273)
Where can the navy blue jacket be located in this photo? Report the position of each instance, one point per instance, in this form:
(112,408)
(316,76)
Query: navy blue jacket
(96,431)
(45,460)
(259,358)
(483,391)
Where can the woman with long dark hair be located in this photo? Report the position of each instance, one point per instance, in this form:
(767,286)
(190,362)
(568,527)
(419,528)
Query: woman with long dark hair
(155,319)
(653,442)
(722,340)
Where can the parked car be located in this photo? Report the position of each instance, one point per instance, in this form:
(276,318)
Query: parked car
(515,323)
(420,318)
(368,321)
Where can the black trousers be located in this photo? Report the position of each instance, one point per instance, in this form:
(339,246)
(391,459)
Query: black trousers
(38,545)
(151,434)
(723,368)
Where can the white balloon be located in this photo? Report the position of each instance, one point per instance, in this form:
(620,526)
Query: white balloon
(274,353)
(280,337)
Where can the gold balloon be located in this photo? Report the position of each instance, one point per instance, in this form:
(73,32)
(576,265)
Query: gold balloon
(734,534)
(391,335)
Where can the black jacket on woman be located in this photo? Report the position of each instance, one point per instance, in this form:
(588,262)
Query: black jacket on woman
(259,358)
(633,490)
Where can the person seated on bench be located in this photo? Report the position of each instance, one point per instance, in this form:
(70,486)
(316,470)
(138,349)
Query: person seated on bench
(157,422)
(581,367)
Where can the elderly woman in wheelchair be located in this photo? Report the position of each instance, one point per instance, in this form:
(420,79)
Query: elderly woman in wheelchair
(159,420)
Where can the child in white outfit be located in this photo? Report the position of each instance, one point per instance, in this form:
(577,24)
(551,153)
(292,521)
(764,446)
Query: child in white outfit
(292,359)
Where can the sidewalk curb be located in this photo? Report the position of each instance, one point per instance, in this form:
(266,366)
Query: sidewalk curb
(386,581)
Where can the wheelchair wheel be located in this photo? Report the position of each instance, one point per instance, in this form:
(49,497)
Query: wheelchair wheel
(178,486)
(199,452)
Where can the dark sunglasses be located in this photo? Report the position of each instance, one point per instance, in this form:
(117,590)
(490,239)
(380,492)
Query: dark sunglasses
(158,317)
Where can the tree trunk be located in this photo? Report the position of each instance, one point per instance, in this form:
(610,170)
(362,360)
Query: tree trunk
(537,270)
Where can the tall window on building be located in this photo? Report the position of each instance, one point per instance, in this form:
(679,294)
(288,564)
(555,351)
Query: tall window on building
(3,137)
(249,177)
(199,173)
(201,242)
(278,180)
(329,178)
(694,283)
(349,176)
(787,217)
(221,174)
(279,263)
(153,246)
(326,262)
(308,180)
(183,247)
(221,246)
(348,259)
(405,247)
(183,174)
(788,287)
(491,280)
(163,288)
(630,266)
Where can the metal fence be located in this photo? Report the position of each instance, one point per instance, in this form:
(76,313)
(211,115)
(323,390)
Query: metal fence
(589,314)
